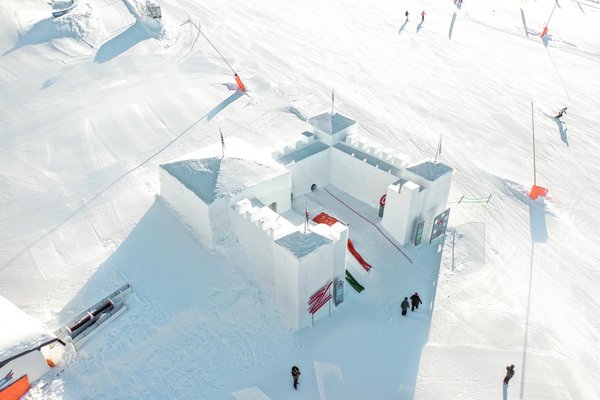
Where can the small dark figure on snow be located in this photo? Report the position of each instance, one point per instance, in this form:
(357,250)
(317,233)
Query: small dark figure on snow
(406,15)
(404,306)
(415,300)
(562,112)
(296,375)
(423,16)
(510,372)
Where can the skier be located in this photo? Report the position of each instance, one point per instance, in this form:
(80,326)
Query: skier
(415,300)
(296,375)
(404,306)
(406,15)
(562,112)
(510,372)
(423,16)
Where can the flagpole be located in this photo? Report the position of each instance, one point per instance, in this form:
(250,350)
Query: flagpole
(533,137)
(222,143)
(307,217)
(332,99)
(239,82)
(439,149)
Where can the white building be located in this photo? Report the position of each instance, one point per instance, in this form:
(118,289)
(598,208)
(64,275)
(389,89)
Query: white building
(202,190)
(216,195)
(27,350)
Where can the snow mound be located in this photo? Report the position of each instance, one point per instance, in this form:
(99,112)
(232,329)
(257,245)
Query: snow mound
(20,332)
(79,24)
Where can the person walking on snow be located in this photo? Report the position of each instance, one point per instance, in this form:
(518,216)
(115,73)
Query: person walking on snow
(406,15)
(562,112)
(296,375)
(404,306)
(423,16)
(510,372)
(415,300)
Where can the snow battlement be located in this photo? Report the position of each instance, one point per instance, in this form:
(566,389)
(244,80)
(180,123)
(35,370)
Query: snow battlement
(331,127)
(333,232)
(377,151)
(254,213)
(282,150)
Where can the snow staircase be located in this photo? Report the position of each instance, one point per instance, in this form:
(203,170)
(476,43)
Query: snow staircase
(81,328)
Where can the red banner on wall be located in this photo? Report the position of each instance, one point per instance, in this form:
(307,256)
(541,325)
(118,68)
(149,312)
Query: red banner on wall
(319,298)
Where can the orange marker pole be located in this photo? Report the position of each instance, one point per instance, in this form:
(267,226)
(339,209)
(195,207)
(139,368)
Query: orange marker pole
(239,82)
(545,31)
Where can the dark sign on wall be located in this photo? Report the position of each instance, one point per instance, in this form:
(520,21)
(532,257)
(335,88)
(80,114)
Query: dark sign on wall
(338,291)
(440,223)
(419,232)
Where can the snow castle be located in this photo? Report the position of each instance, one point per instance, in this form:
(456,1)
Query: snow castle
(259,200)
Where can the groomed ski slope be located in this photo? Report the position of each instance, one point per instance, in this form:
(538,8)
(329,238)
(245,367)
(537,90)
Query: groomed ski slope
(92,102)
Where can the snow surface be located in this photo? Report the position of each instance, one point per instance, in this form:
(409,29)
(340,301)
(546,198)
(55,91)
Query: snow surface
(430,170)
(300,244)
(92,102)
(331,123)
(20,332)
(213,178)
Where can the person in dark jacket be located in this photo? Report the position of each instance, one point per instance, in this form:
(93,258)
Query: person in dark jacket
(562,112)
(510,372)
(296,375)
(415,300)
(404,306)
(406,15)
(423,16)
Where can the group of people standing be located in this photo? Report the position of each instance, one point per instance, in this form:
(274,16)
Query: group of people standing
(422,15)
(415,300)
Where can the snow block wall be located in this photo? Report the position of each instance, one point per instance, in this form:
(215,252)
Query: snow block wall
(193,212)
(402,208)
(304,265)
(292,264)
(287,148)
(331,127)
(436,179)
(312,170)
(364,169)
(275,190)
(255,225)
(201,191)
(338,232)
(422,194)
